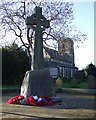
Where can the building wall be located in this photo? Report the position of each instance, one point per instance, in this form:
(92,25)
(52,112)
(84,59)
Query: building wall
(66,49)
(54,72)
(66,72)
(64,59)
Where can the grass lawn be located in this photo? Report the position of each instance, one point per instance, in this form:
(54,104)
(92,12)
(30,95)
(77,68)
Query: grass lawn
(82,85)
(10,86)
(66,85)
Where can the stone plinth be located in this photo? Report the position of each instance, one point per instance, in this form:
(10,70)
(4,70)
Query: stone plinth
(37,82)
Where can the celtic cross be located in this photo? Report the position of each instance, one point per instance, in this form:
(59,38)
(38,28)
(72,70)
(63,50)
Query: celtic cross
(39,24)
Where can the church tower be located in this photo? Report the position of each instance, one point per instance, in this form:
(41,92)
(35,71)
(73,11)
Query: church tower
(66,49)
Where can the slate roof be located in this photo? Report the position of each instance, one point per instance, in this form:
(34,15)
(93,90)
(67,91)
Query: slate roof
(55,55)
(57,64)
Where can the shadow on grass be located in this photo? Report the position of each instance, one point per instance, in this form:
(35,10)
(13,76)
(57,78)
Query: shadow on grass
(30,117)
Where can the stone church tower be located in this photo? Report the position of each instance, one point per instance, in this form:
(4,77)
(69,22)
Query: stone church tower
(61,63)
(66,49)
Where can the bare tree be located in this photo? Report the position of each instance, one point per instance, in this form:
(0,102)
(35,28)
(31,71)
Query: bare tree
(60,14)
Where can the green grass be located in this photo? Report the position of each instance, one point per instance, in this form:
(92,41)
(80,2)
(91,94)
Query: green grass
(66,85)
(10,86)
(83,85)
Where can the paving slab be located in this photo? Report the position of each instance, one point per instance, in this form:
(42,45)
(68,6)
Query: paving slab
(73,106)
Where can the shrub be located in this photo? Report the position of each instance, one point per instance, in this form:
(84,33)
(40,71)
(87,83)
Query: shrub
(83,85)
(66,80)
(74,83)
(66,85)
(14,65)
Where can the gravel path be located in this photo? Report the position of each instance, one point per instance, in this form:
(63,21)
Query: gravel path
(69,101)
(72,106)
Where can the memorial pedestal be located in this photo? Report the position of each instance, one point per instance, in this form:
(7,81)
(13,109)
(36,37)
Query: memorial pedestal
(37,82)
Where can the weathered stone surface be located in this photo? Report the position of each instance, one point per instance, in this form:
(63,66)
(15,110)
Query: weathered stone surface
(24,86)
(40,23)
(37,82)
(91,82)
(58,83)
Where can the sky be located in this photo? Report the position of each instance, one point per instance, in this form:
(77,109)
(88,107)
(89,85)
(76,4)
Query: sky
(84,19)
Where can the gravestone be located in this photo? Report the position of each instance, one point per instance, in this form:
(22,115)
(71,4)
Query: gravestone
(37,81)
(59,83)
(91,82)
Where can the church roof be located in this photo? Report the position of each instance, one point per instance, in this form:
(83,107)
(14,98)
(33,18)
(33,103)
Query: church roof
(56,56)
(55,64)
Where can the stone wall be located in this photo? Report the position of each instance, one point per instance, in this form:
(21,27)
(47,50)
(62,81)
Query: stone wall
(66,49)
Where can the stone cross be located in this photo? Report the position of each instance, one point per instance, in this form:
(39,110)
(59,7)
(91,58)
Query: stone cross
(38,23)
(37,81)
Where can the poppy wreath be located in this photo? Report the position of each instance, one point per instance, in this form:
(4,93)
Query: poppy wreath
(43,102)
(15,100)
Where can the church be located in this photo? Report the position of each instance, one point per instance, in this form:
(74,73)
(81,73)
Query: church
(61,63)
